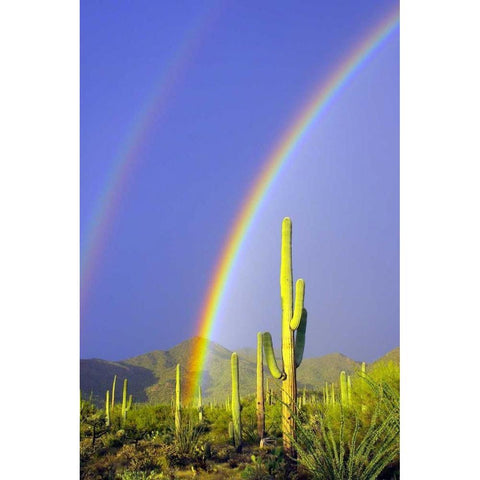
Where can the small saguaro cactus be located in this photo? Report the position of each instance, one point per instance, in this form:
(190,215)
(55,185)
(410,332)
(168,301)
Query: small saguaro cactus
(260,392)
(200,406)
(113,391)
(236,407)
(125,406)
(178,401)
(107,408)
(343,388)
(294,324)
(349,390)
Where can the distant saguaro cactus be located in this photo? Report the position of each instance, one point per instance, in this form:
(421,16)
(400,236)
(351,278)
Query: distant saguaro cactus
(294,324)
(125,406)
(343,388)
(113,391)
(107,408)
(260,391)
(178,401)
(236,407)
(200,406)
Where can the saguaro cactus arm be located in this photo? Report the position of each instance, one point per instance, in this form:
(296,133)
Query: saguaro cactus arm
(270,357)
(300,339)
(299,297)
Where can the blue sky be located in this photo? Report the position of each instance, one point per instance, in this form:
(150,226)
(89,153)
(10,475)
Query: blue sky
(250,68)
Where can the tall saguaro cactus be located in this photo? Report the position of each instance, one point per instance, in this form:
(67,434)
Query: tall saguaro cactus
(178,401)
(294,323)
(236,414)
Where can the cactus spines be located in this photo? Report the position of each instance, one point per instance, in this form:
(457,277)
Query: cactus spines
(178,400)
(260,392)
(294,319)
(236,415)
(107,408)
(113,391)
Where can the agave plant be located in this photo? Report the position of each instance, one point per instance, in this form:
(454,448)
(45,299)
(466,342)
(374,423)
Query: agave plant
(328,451)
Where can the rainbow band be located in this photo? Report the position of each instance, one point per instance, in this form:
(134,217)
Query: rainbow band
(109,200)
(271,169)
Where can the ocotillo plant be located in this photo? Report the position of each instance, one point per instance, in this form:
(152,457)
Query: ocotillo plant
(236,415)
(107,408)
(294,323)
(178,401)
(260,392)
(113,391)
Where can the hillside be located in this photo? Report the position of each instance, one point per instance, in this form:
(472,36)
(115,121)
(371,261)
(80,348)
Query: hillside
(151,376)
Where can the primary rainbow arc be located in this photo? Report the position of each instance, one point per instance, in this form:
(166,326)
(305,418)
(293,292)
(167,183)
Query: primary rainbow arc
(272,167)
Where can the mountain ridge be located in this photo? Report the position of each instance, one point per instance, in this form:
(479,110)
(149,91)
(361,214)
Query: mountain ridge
(151,376)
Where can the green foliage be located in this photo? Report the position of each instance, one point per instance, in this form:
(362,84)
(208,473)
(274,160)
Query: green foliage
(340,444)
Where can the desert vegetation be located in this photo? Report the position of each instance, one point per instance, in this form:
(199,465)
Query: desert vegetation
(346,430)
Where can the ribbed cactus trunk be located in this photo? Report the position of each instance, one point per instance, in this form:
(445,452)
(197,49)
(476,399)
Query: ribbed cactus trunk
(178,401)
(260,392)
(236,415)
(294,323)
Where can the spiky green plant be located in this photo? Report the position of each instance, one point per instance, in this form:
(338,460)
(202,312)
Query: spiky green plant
(327,451)
(294,323)
(236,407)
(260,392)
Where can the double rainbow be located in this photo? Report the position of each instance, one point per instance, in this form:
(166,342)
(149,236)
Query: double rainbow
(283,150)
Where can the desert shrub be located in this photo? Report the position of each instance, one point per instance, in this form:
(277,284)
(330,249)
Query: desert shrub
(273,420)
(330,447)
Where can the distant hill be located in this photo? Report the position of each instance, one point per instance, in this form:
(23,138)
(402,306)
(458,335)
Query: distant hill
(151,376)
(391,356)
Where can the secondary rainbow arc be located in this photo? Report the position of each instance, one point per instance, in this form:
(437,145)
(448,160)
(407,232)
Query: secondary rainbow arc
(282,151)
(108,204)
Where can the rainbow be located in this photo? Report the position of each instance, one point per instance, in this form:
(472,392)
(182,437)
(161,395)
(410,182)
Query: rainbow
(282,151)
(107,205)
